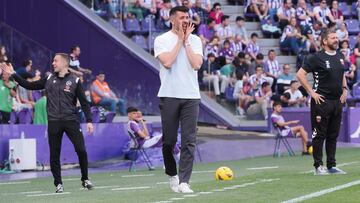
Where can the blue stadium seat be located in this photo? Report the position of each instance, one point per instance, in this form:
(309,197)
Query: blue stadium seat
(353,26)
(141,41)
(148,24)
(229,91)
(352,41)
(353,10)
(343,7)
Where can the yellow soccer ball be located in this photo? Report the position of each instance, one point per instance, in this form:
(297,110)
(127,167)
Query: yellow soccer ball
(224,173)
(310,150)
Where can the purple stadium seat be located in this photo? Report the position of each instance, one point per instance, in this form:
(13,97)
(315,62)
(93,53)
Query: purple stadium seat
(110,117)
(141,41)
(353,10)
(229,91)
(356,90)
(36,94)
(25,116)
(343,7)
(13,117)
(116,23)
(353,26)
(352,41)
(132,25)
(95,114)
(148,24)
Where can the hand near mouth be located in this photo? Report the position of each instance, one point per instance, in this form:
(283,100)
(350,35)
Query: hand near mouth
(190,28)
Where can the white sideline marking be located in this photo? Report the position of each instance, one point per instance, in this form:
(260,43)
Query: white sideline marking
(195,195)
(218,190)
(71,179)
(104,187)
(339,165)
(263,168)
(14,183)
(205,193)
(138,175)
(177,198)
(48,194)
(30,192)
(203,172)
(131,188)
(322,192)
(162,183)
(163,202)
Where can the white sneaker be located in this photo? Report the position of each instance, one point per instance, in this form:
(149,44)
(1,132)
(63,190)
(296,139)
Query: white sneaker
(320,171)
(185,188)
(174,183)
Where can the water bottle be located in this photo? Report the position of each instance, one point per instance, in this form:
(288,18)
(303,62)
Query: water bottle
(22,136)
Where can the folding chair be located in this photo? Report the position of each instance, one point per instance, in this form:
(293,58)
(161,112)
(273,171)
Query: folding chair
(135,150)
(278,139)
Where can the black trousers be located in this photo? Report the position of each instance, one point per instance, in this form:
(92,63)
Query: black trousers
(173,112)
(5,117)
(72,129)
(325,121)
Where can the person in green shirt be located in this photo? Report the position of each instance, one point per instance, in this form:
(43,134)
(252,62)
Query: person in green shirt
(7,91)
(228,71)
(40,114)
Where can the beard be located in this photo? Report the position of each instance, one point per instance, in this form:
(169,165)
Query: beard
(334,46)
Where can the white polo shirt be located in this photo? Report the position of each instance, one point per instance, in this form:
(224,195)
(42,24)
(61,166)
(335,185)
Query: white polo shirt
(180,81)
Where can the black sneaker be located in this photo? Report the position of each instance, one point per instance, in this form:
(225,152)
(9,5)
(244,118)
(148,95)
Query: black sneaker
(59,188)
(305,154)
(87,185)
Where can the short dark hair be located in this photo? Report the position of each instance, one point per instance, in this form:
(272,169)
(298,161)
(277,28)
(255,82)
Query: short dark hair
(183,9)
(260,56)
(131,109)
(166,1)
(239,75)
(224,17)
(276,103)
(241,55)
(211,55)
(265,84)
(287,95)
(64,56)
(209,21)
(236,61)
(27,62)
(216,4)
(271,50)
(292,82)
(226,41)
(254,35)
(239,18)
(325,34)
(74,48)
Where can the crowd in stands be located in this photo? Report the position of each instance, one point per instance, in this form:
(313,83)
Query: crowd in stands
(19,105)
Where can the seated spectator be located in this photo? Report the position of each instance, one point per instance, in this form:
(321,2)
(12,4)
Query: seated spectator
(7,93)
(240,95)
(312,34)
(165,13)
(193,16)
(284,79)
(336,13)
(103,96)
(75,62)
(292,37)
(210,74)
(279,122)
(224,31)
(237,45)
(243,67)
(259,7)
(135,9)
(296,97)
(202,8)
(207,31)
(274,6)
(259,62)
(271,28)
(342,33)
(212,47)
(303,15)
(24,97)
(216,13)
(227,52)
(228,72)
(25,70)
(349,65)
(253,49)
(3,56)
(357,53)
(345,50)
(259,78)
(358,8)
(272,67)
(285,13)
(323,14)
(261,102)
(241,30)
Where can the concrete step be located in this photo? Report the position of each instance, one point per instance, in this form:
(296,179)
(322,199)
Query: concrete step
(222,2)
(268,42)
(285,59)
(249,25)
(228,10)
(265,50)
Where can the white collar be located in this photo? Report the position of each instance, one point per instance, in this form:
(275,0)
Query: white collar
(331,53)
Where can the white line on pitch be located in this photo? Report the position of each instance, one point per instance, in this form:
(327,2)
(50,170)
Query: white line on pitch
(104,187)
(194,195)
(131,188)
(48,194)
(165,183)
(203,172)
(339,165)
(71,179)
(137,175)
(322,192)
(263,168)
(14,183)
(204,193)
(177,198)
(30,192)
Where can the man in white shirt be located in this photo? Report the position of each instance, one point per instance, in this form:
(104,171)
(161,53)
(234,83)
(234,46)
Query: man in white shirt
(224,31)
(323,14)
(296,97)
(180,55)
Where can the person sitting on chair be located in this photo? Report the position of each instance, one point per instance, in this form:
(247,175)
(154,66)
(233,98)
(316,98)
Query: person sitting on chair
(279,122)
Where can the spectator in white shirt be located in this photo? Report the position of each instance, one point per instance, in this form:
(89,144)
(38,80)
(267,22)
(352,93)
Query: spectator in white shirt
(262,101)
(241,30)
(296,97)
(224,31)
(323,14)
(285,13)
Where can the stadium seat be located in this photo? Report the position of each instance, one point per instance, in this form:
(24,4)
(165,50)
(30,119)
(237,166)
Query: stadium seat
(110,117)
(148,24)
(229,91)
(95,114)
(278,139)
(343,7)
(353,10)
(353,26)
(141,41)
(352,41)
(25,116)
(132,26)
(117,24)
(134,154)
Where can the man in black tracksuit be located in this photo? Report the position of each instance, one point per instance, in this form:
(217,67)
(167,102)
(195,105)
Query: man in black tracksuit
(62,89)
(328,95)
